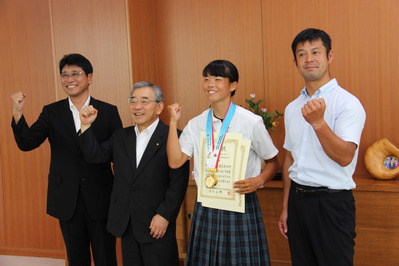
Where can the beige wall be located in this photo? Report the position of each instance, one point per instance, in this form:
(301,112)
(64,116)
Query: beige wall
(256,35)
(169,42)
(35,36)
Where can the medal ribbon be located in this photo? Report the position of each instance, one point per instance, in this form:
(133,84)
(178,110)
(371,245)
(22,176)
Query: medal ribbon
(213,151)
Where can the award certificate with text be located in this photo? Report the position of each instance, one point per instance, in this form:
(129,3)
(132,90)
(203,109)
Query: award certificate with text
(231,167)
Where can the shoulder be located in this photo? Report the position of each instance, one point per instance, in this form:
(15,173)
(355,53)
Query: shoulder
(245,115)
(163,129)
(101,104)
(201,116)
(162,126)
(300,100)
(345,98)
(123,132)
(57,104)
(199,120)
(106,110)
(244,112)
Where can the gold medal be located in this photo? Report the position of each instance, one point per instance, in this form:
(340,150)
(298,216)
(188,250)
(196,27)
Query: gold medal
(211,181)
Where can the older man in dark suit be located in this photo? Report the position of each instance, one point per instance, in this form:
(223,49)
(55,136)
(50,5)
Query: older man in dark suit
(147,194)
(78,192)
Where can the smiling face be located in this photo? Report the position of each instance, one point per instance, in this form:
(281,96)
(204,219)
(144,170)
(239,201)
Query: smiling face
(313,61)
(75,82)
(143,107)
(218,89)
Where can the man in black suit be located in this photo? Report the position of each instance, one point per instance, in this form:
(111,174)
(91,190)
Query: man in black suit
(78,192)
(147,194)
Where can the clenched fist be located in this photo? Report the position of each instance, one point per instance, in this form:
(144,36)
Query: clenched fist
(18,101)
(87,116)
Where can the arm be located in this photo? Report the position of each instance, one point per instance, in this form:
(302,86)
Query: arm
(250,185)
(176,157)
(18,101)
(337,149)
(264,147)
(174,196)
(28,138)
(288,161)
(92,151)
(87,116)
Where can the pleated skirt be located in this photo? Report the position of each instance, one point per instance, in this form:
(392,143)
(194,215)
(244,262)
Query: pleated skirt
(221,237)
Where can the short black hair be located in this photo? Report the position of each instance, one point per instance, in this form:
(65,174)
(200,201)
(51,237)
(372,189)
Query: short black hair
(311,35)
(222,68)
(76,60)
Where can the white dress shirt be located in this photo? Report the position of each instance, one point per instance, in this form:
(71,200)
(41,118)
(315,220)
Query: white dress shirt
(75,112)
(142,139)
(345,115)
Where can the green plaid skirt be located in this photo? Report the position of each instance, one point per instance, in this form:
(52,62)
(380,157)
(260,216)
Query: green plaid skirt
(224,238)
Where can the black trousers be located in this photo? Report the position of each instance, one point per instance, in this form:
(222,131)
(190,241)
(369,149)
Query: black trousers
(81,232)
(321,228)
(159,253)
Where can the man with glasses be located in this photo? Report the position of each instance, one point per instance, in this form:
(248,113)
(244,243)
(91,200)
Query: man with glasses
(78,191)
(147,193)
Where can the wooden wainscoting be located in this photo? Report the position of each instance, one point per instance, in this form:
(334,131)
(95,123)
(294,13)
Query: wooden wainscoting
(377,225)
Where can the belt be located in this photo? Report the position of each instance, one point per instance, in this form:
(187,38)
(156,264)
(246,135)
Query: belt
(308,191)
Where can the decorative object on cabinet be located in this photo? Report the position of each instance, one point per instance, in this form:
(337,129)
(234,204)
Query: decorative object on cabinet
(269,119)
(381,160)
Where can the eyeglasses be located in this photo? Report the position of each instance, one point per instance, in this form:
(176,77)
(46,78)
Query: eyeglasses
(143,101)
(73,75)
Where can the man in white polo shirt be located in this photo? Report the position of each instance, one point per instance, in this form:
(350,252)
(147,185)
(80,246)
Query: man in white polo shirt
(323,128)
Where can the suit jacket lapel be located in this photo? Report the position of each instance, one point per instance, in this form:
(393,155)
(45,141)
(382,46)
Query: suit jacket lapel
(158,139)
(66,115)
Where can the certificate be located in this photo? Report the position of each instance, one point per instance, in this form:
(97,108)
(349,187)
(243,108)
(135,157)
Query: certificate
(232,167)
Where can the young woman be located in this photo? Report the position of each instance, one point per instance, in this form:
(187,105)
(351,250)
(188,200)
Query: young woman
(220,237)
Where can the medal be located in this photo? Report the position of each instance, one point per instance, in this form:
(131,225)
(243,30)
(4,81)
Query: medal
(211,181)
(213,150)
